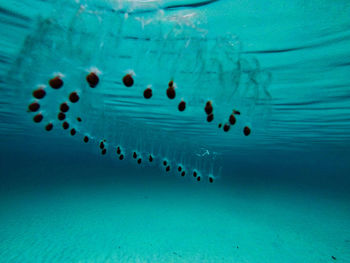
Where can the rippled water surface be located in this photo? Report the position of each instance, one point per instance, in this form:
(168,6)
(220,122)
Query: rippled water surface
(279,193)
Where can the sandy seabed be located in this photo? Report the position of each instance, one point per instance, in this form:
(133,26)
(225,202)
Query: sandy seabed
(171,221)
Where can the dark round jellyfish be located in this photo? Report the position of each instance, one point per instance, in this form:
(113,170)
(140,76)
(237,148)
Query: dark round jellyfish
(226,127)
(78,119)
(49,126)
(179,168)
(61,116)
(220,125)
(65,125)
(211,179)
(104,151)
(92,79)
(246,130)
(121,157)
(170,92)
(128,80)
(119,151)
(64,107)
(208,107)
(39,93)
(73,132)
(102,145)
(139,161)
(38,118)
(182,106)
(86,139)
(165,163)
(194,174)
(56,82)
(74,97)
(210,117)
(232,119)
(150,158)
(183,173)
(134,155)
(33,107)
(167,168)
(236,112)
(147,93)
(198,178)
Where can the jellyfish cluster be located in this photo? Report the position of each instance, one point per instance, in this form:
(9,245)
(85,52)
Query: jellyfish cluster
(63,109)
(208,108)
(165,58)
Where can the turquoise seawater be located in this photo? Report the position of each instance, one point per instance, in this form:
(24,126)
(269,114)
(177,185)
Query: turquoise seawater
(174,131)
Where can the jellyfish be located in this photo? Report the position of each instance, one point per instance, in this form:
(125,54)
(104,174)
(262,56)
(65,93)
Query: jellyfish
(65,125)
(56,82)
(226,127)
(102,145)
(78,119)
(92,79)
(208,108)
(128,80)
(170,92)
(33,107)
(139,160)
(86,139)
(64,107)
(74,97)
(73,132)
(61,116)
(246,130)
(38,118)
(147,93)
(119,151)
(121,157)
(182,105)
(104,151)
(39,93)
(210,117)
(150,158)
(232,119)
(49,126)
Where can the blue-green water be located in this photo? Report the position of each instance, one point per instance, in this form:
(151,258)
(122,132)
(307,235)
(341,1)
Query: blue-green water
(279,194)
